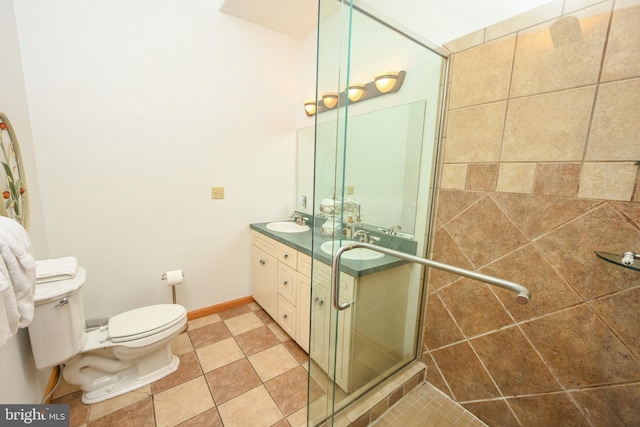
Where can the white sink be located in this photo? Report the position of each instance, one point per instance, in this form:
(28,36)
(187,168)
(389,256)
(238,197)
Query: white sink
(287,227)
(357,254)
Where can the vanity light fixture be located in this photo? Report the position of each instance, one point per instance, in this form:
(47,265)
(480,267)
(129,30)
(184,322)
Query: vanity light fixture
(310,107)
(355,91)
(386,81)
(330,99)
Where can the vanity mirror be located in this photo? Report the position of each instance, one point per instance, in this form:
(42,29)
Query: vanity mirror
(392,142)
(12,181)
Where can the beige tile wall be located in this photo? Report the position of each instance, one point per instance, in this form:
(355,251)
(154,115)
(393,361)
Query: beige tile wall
(539,170)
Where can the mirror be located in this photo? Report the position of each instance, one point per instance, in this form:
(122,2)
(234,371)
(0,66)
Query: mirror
(372,180)
(12,181)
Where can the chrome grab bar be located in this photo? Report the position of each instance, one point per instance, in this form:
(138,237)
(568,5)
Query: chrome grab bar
(523,293)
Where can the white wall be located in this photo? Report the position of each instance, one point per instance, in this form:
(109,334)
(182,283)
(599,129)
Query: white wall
(18,376)
(137,109)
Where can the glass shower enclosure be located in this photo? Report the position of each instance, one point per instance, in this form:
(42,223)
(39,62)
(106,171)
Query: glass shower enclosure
(379,95)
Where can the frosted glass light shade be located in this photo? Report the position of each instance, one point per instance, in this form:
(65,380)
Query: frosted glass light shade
(355,91)
(385,82)
(330,99)
(310,107)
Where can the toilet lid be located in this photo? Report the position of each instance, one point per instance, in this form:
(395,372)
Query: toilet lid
(144,321)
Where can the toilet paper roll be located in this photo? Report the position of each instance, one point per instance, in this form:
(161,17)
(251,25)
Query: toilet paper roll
(174,277)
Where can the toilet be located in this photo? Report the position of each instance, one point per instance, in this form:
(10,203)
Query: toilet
(132,350)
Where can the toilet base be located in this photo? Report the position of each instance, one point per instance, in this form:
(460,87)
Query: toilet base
(127,381)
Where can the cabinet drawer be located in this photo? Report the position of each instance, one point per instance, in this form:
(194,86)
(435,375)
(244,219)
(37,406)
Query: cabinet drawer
(322,277)
(287,255)
(287,316)
(304,264)
(287,283)
(265,243)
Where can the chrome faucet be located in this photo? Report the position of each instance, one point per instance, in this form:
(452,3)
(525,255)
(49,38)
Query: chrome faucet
(298,218)
(364,237)
(393,230)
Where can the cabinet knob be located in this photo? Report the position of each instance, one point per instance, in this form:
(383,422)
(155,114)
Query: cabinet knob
(284,282)
(321,302)
(284,316)
(285,256)
(262,262)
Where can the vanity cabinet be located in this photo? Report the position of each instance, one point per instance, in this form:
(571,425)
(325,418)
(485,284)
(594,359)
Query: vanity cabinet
(281,284)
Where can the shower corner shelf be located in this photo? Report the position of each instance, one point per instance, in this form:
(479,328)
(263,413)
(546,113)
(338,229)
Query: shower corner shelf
(617,259)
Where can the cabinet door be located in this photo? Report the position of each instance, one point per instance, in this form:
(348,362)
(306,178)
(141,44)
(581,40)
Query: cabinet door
(320,324)
(303,306)
(264,271)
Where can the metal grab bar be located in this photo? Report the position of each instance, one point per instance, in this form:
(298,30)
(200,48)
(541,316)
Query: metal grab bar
(523,293)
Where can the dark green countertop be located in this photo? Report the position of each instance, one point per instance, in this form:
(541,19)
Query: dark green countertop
(307,244)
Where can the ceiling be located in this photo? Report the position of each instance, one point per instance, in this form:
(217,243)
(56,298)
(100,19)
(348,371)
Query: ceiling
(295,18)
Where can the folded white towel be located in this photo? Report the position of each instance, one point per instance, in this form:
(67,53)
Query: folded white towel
(17,277)
(51,270)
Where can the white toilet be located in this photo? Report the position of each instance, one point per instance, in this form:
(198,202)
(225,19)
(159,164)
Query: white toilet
(132,350)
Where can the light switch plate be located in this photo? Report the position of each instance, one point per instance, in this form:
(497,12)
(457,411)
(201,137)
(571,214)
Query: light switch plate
(217,192)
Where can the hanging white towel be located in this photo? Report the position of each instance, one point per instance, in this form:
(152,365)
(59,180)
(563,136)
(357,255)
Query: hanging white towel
(51,270)
(17,278)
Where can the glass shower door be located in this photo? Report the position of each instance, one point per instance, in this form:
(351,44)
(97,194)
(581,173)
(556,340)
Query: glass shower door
(373,166)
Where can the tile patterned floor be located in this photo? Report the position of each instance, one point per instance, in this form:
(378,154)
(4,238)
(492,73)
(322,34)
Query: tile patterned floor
(238,368)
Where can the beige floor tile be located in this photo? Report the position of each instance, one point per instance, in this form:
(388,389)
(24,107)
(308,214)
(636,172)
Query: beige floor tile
(243,323)
(254,306)
(108,406)
(182,344)
(277,330)
(64,388)
(298,418)
(182,402)
(272,362)
(254,408)
(219,354)
(202,321)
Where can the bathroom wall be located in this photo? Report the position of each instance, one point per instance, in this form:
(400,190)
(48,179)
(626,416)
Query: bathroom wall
(18,376)
(137,110)
(538,171)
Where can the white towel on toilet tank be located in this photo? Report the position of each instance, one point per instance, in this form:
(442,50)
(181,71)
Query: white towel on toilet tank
(17,279)
(51,270)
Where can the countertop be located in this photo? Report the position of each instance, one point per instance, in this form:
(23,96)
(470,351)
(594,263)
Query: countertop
(304,242)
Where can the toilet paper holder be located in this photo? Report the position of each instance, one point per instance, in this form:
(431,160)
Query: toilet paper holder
(173,288)
(164,276)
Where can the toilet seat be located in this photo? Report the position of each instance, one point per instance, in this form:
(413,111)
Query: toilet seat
(144,321)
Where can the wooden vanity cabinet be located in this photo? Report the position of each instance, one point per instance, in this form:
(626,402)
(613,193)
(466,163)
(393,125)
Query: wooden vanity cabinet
(281,284)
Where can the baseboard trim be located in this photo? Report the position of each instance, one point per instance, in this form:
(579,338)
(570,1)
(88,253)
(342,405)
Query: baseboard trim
(51,384)
(218,307)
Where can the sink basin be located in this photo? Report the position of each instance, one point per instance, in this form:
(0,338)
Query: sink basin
(287,227)
(358,254)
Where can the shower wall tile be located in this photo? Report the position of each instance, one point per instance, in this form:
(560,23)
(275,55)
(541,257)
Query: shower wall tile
(451,203)
(508,369)
(621,59)
(615,131)
(474,307)
(565,145)
(465,42)
(571,59)
(467,378)
(468,142)
(611,406)
(493,412)
(557,179)
(482,176)
(481,75)
(578,362)
(484,232)
(614,181)
(549,127)
(536,215)
(546,410)
(571,247)
(516,177)
(454,176)
(527,266)
(621,313)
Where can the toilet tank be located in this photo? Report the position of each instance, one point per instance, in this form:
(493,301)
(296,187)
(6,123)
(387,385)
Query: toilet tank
(57,331)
